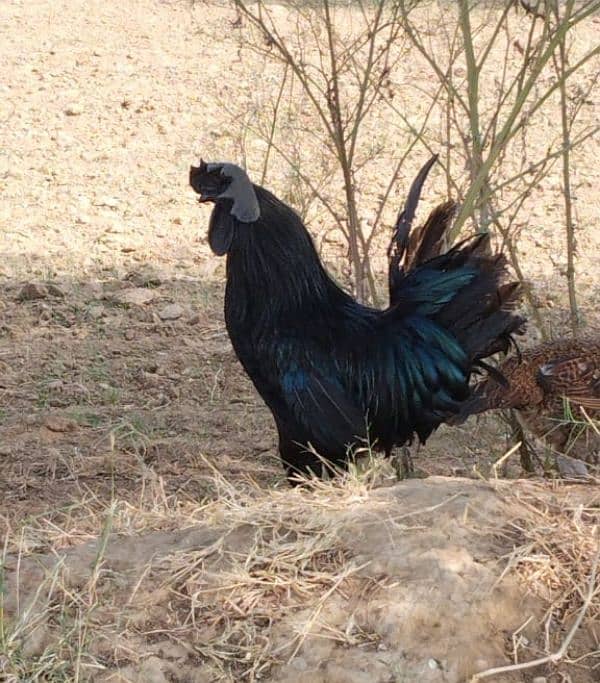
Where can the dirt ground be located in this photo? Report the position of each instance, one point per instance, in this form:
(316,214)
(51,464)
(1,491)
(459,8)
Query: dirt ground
(132,445)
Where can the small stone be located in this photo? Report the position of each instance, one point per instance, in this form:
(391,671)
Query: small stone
(136,295)
(56,423)
(171,312)
(55,385)
(74,109)
(129,334)
(32,291)
(5,449)
(194,319)
(145,277)
(433,664)
(55,290)
(571,467)
(540,679)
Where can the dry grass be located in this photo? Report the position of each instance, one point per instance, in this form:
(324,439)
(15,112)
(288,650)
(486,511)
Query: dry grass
(223,600)
(556,557)
(241,586)
(294,563)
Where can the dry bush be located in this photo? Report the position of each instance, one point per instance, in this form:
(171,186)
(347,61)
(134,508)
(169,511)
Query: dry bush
(491,77)
(491,114)
(335,76)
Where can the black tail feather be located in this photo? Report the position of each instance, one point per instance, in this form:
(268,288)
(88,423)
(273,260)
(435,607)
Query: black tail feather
(401,235)
(481,313)
(428,240)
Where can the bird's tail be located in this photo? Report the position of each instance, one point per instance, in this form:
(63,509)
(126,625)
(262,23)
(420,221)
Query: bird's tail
(481,313)
(409,248)
(465,289)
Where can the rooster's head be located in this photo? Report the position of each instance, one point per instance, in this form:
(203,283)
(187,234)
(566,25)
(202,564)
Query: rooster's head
(224,181)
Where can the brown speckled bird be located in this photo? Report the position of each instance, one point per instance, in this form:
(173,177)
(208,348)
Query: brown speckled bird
(553,387)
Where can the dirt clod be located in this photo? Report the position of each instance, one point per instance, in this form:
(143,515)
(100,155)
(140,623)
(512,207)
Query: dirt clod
(147,277)
(32,291)
(171,312)
(137,296)
(57,423)
(55,290)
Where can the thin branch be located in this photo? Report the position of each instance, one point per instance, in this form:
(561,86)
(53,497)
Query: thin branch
(273,127)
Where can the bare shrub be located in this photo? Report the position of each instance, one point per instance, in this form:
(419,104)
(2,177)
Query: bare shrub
(490,114)
(337,75)
(339,83)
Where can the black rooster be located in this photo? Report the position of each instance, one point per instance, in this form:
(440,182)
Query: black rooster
(336,374)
